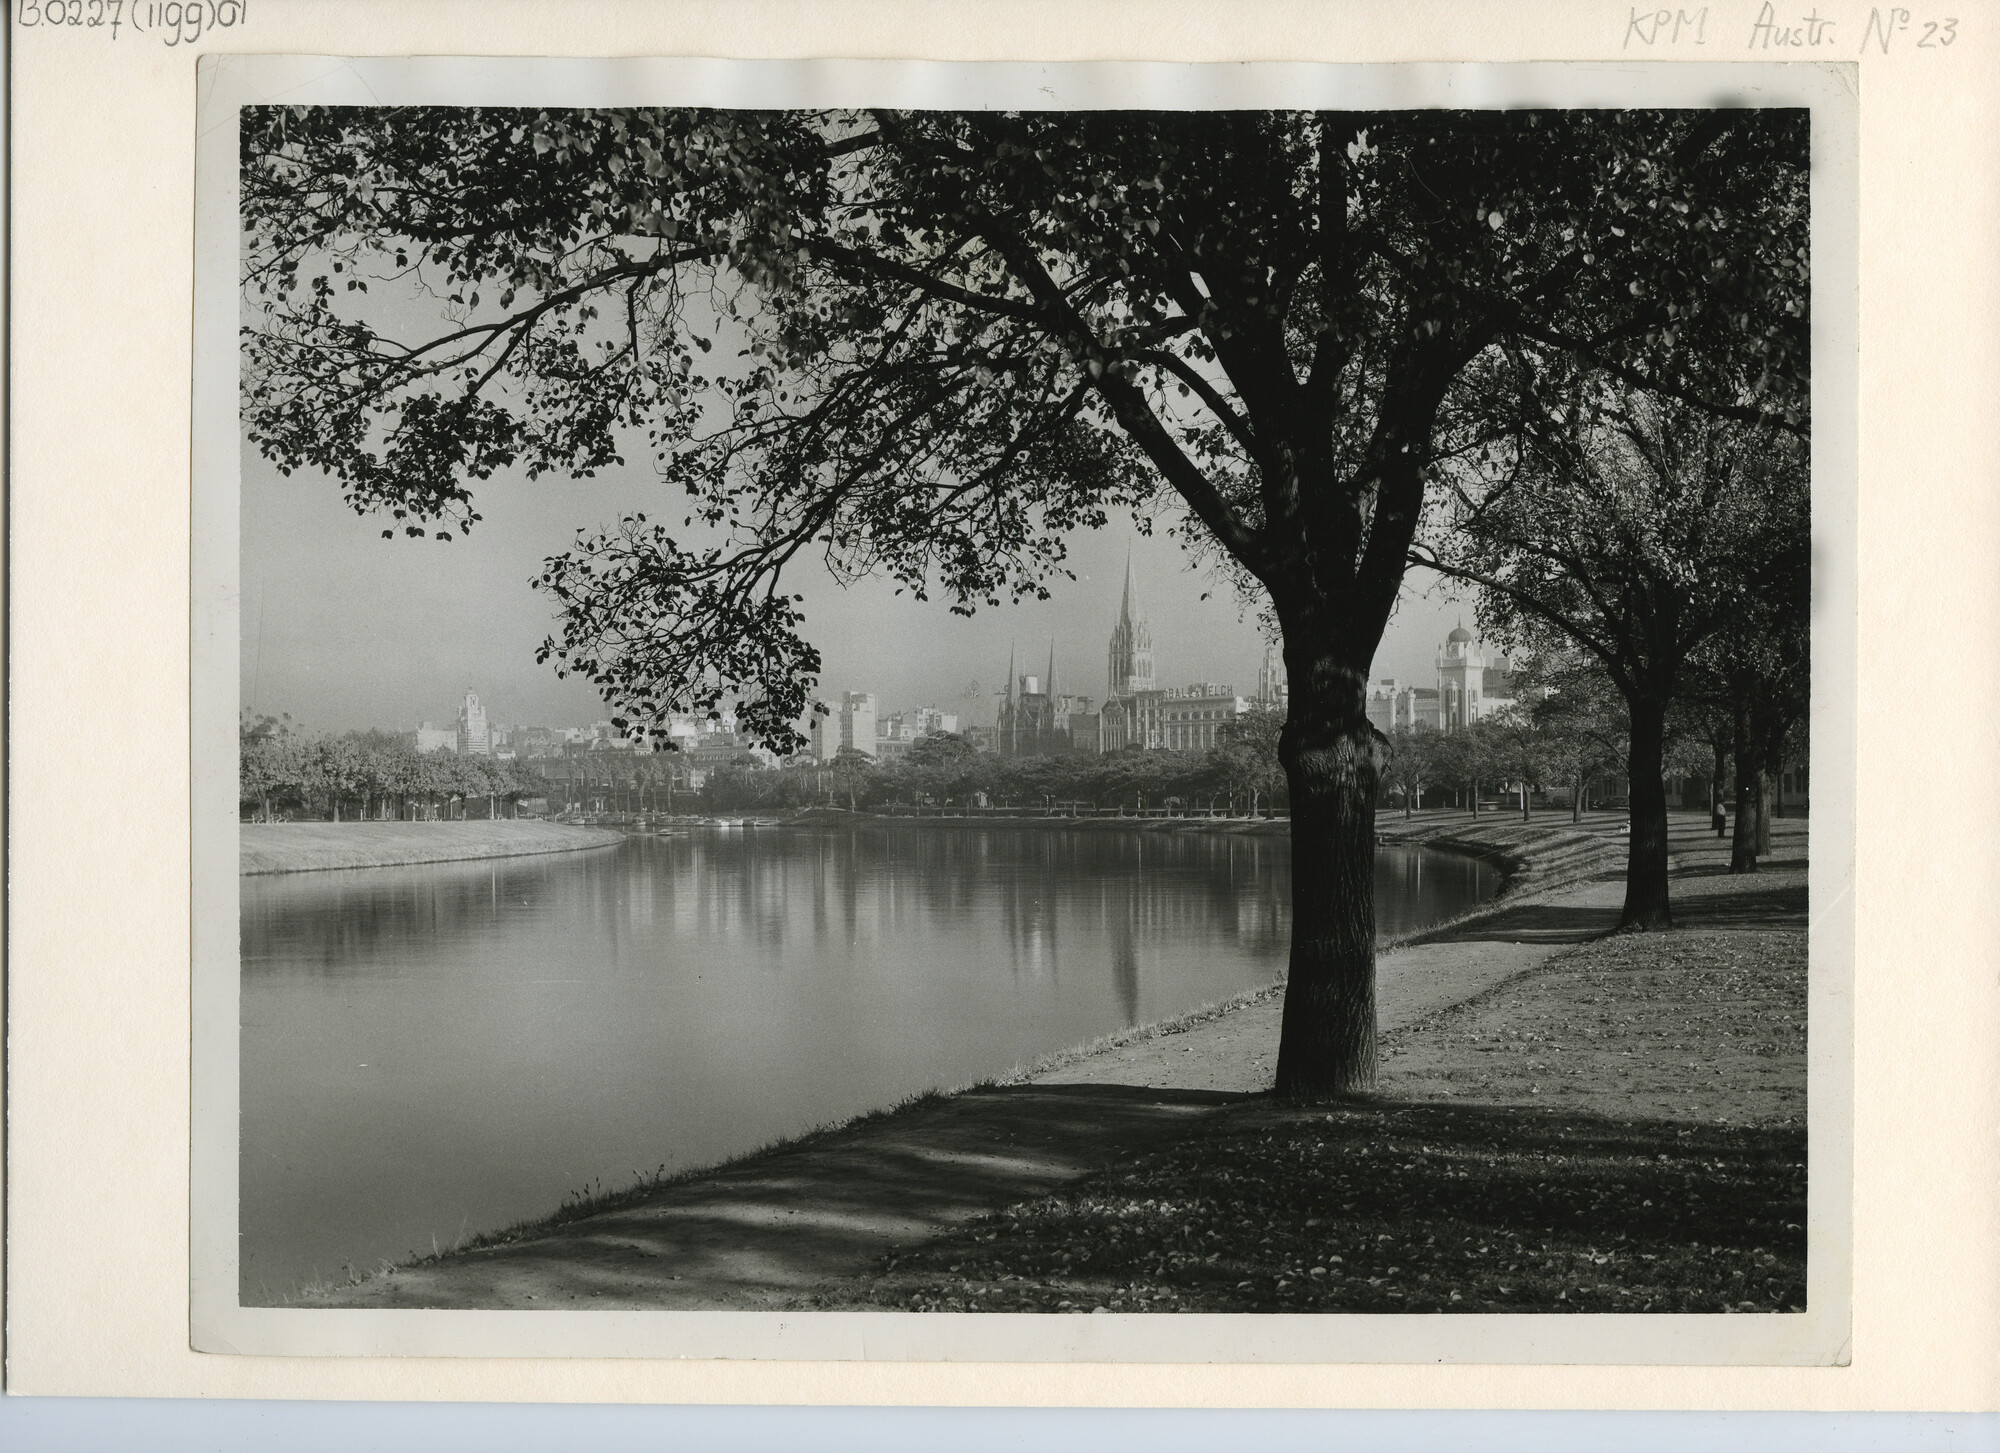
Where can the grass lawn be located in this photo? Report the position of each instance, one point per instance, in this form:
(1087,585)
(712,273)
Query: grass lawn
(1502,1168)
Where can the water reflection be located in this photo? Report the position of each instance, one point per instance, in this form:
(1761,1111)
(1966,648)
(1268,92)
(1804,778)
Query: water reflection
(437,1049)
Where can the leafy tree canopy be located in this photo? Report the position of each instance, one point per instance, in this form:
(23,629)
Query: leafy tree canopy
(929,344)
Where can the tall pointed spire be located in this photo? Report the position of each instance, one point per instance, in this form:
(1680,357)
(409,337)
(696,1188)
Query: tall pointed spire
(1051,686)
(1013,710)
(1130,657)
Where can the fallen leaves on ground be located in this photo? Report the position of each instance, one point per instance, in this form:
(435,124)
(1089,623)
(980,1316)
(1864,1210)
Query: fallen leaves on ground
(1398,1208)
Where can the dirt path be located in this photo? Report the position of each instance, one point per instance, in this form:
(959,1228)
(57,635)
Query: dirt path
(757,1234)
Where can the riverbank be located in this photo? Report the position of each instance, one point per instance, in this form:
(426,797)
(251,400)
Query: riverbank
(1546,850)
(296,847)
(1050,822)
(1538,853)
(1536,1085)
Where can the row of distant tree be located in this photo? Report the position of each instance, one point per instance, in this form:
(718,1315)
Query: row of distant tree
(1571,746)
(1734,727)
(1568,738)
(287,772)
(1240,775)
(290,773)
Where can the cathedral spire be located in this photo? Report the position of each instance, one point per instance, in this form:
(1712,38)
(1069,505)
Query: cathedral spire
(1131,653)
(1013,710)
(1051,686)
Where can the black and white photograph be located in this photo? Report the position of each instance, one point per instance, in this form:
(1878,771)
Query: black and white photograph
(1169,717)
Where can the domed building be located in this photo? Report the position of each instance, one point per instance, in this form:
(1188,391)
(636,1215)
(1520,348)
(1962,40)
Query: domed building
(1467,688)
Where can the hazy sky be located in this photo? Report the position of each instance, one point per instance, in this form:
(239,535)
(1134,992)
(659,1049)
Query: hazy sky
(344,629)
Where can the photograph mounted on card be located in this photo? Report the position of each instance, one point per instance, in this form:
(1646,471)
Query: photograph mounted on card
(1113,712)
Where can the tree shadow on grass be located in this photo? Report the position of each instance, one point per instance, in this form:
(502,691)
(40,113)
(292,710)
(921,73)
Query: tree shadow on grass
(1532,923)
(1721,869)
(1394,1207)
(1762,908)
(1175,1199)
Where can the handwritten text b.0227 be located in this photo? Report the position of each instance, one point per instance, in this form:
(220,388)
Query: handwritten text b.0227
(173,22)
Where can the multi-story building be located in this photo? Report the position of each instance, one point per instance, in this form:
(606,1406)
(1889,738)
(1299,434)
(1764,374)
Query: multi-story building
(1469,690)
(898,730)
(1036,718)
(1130,721)
(433,738)
(1384,699)
(823,732)
(474,740)
(856,722)
(928,719)
(682,732)
(1190,718)
(535,741)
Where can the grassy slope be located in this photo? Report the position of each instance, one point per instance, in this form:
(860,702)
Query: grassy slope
(289,847)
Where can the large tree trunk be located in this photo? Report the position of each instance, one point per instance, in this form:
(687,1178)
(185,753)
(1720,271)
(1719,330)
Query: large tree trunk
(1749,798)
(1332,762)
(1646,856)
(1770,729)
(1715,812)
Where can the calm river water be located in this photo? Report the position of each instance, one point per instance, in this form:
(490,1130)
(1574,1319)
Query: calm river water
(429,1052)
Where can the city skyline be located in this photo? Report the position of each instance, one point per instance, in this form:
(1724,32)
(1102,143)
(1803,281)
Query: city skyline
(344,630)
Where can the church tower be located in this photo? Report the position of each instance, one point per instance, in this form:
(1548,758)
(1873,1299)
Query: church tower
(1271,689)
(1131,654)
(1007,729)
